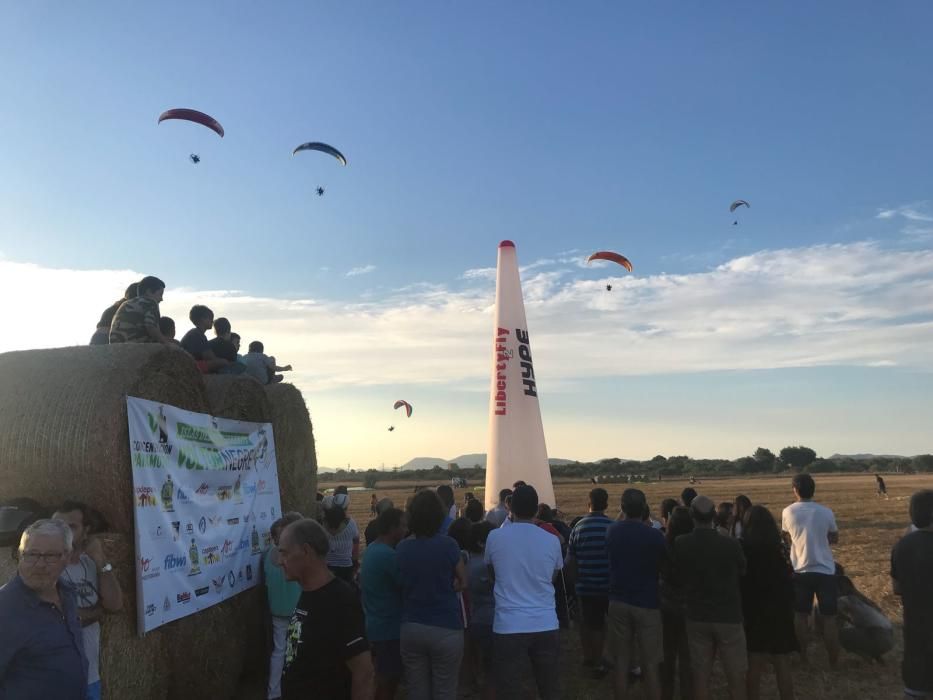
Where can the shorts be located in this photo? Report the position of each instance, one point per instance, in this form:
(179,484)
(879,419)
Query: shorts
(387,658)
(704,639)
(823,586)
(593,610)
(633,627)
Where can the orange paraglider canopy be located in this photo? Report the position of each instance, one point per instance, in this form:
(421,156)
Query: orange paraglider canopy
(611,257)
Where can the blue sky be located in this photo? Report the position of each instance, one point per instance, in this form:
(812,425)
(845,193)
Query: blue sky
(563,128)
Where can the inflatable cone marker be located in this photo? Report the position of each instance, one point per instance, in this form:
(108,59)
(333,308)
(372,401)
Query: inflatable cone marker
(516,434)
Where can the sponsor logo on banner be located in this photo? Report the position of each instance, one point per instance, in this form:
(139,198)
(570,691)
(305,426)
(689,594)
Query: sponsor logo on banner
(254,541)
(240,576)
(218,584)
(263,515)
(233,521)
(237,492)
(244,544)
(174,561)
(263,488)
(195,569)
(168,493)
(227,549)
(249,489)
(148,569)
(183,598)
(210,555)
(272,512)
(249,572)
(224,493)
(202,525)
(202,591)
(203,489)
(150,609)
(189,528)
(231,579)
(266,540)
(176,530)
(215,520)
(167,605)
(158,532)
(145,497)
(250,517)
(182,497)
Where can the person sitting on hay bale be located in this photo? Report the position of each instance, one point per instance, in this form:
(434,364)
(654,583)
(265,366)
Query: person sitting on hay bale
(196,343)
(262,367)
(222,346)
(102,334)
(137,320)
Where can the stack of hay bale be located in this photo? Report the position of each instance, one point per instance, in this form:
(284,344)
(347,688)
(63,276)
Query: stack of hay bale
(64,434)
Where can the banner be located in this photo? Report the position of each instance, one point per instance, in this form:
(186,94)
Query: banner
(206,491)
(517,450)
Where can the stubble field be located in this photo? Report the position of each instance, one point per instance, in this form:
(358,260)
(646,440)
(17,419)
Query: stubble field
(869,526)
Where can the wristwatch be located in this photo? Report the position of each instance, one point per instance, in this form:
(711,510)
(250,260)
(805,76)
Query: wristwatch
(106,568)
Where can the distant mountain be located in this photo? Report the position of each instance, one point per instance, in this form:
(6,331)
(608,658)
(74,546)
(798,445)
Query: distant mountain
(865,456)
(467,461)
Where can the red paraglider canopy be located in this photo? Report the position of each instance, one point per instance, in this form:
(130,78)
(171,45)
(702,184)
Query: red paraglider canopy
(611,257)
(400,403)
(192,115)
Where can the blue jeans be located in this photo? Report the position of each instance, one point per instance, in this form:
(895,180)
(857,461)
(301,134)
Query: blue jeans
(93,691)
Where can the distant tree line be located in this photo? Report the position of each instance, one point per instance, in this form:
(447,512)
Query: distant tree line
(794,458)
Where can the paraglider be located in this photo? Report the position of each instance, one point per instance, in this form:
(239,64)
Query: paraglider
(195,158)
(192,115)
(323,148)
(391,428)
(735,205)
(609,256)
(400,403)
(320,191)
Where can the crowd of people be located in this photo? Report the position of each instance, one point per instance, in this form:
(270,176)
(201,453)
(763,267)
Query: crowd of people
(136,319)
(440,596)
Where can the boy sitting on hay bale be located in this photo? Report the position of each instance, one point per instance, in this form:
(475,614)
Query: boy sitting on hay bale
(196,343)
(262,367)
(137,319)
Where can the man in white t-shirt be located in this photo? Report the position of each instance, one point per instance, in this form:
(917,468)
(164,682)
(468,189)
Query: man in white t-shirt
(523,560)
(810,529)
(96,586)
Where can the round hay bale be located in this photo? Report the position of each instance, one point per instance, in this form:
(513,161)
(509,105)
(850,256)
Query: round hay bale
(237,397)
(294,449)
(130,666)
(63,415)
(214,652)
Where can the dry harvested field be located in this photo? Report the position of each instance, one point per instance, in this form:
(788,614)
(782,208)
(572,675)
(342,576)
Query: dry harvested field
(869,526)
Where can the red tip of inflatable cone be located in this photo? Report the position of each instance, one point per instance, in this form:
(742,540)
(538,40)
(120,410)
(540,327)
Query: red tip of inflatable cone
(506,244)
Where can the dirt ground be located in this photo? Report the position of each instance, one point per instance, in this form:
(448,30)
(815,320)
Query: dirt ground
(869,526)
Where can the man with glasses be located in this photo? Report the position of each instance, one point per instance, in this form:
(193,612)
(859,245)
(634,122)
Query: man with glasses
(95,583)
(41,647)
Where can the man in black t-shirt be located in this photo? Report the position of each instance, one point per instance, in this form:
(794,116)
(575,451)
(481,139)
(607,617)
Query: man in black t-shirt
(222,346)
(326,653)
(912,572)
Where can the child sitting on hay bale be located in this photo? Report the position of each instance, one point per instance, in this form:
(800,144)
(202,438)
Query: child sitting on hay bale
(196,343)
(262,367)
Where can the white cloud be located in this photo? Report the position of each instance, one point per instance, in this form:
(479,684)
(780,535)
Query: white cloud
(480,273)
(364,270)
(918,211)
(852,304)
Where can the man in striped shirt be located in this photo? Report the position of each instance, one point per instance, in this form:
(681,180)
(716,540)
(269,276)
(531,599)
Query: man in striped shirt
(588,551)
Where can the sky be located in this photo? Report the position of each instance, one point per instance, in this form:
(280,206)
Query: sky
(567,129)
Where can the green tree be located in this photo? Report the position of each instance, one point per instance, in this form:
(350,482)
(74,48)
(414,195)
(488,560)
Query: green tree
(798,456)
(370,479)
(765,458)
(922,463)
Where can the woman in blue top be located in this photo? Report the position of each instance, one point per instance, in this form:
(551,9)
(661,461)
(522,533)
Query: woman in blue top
(282,596)
(432,573)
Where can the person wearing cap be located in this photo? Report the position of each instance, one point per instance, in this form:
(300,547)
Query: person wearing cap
(636,554)
(523,560)
(372,529)
(810,530)
(343,536)
(380,582)
(710,567)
